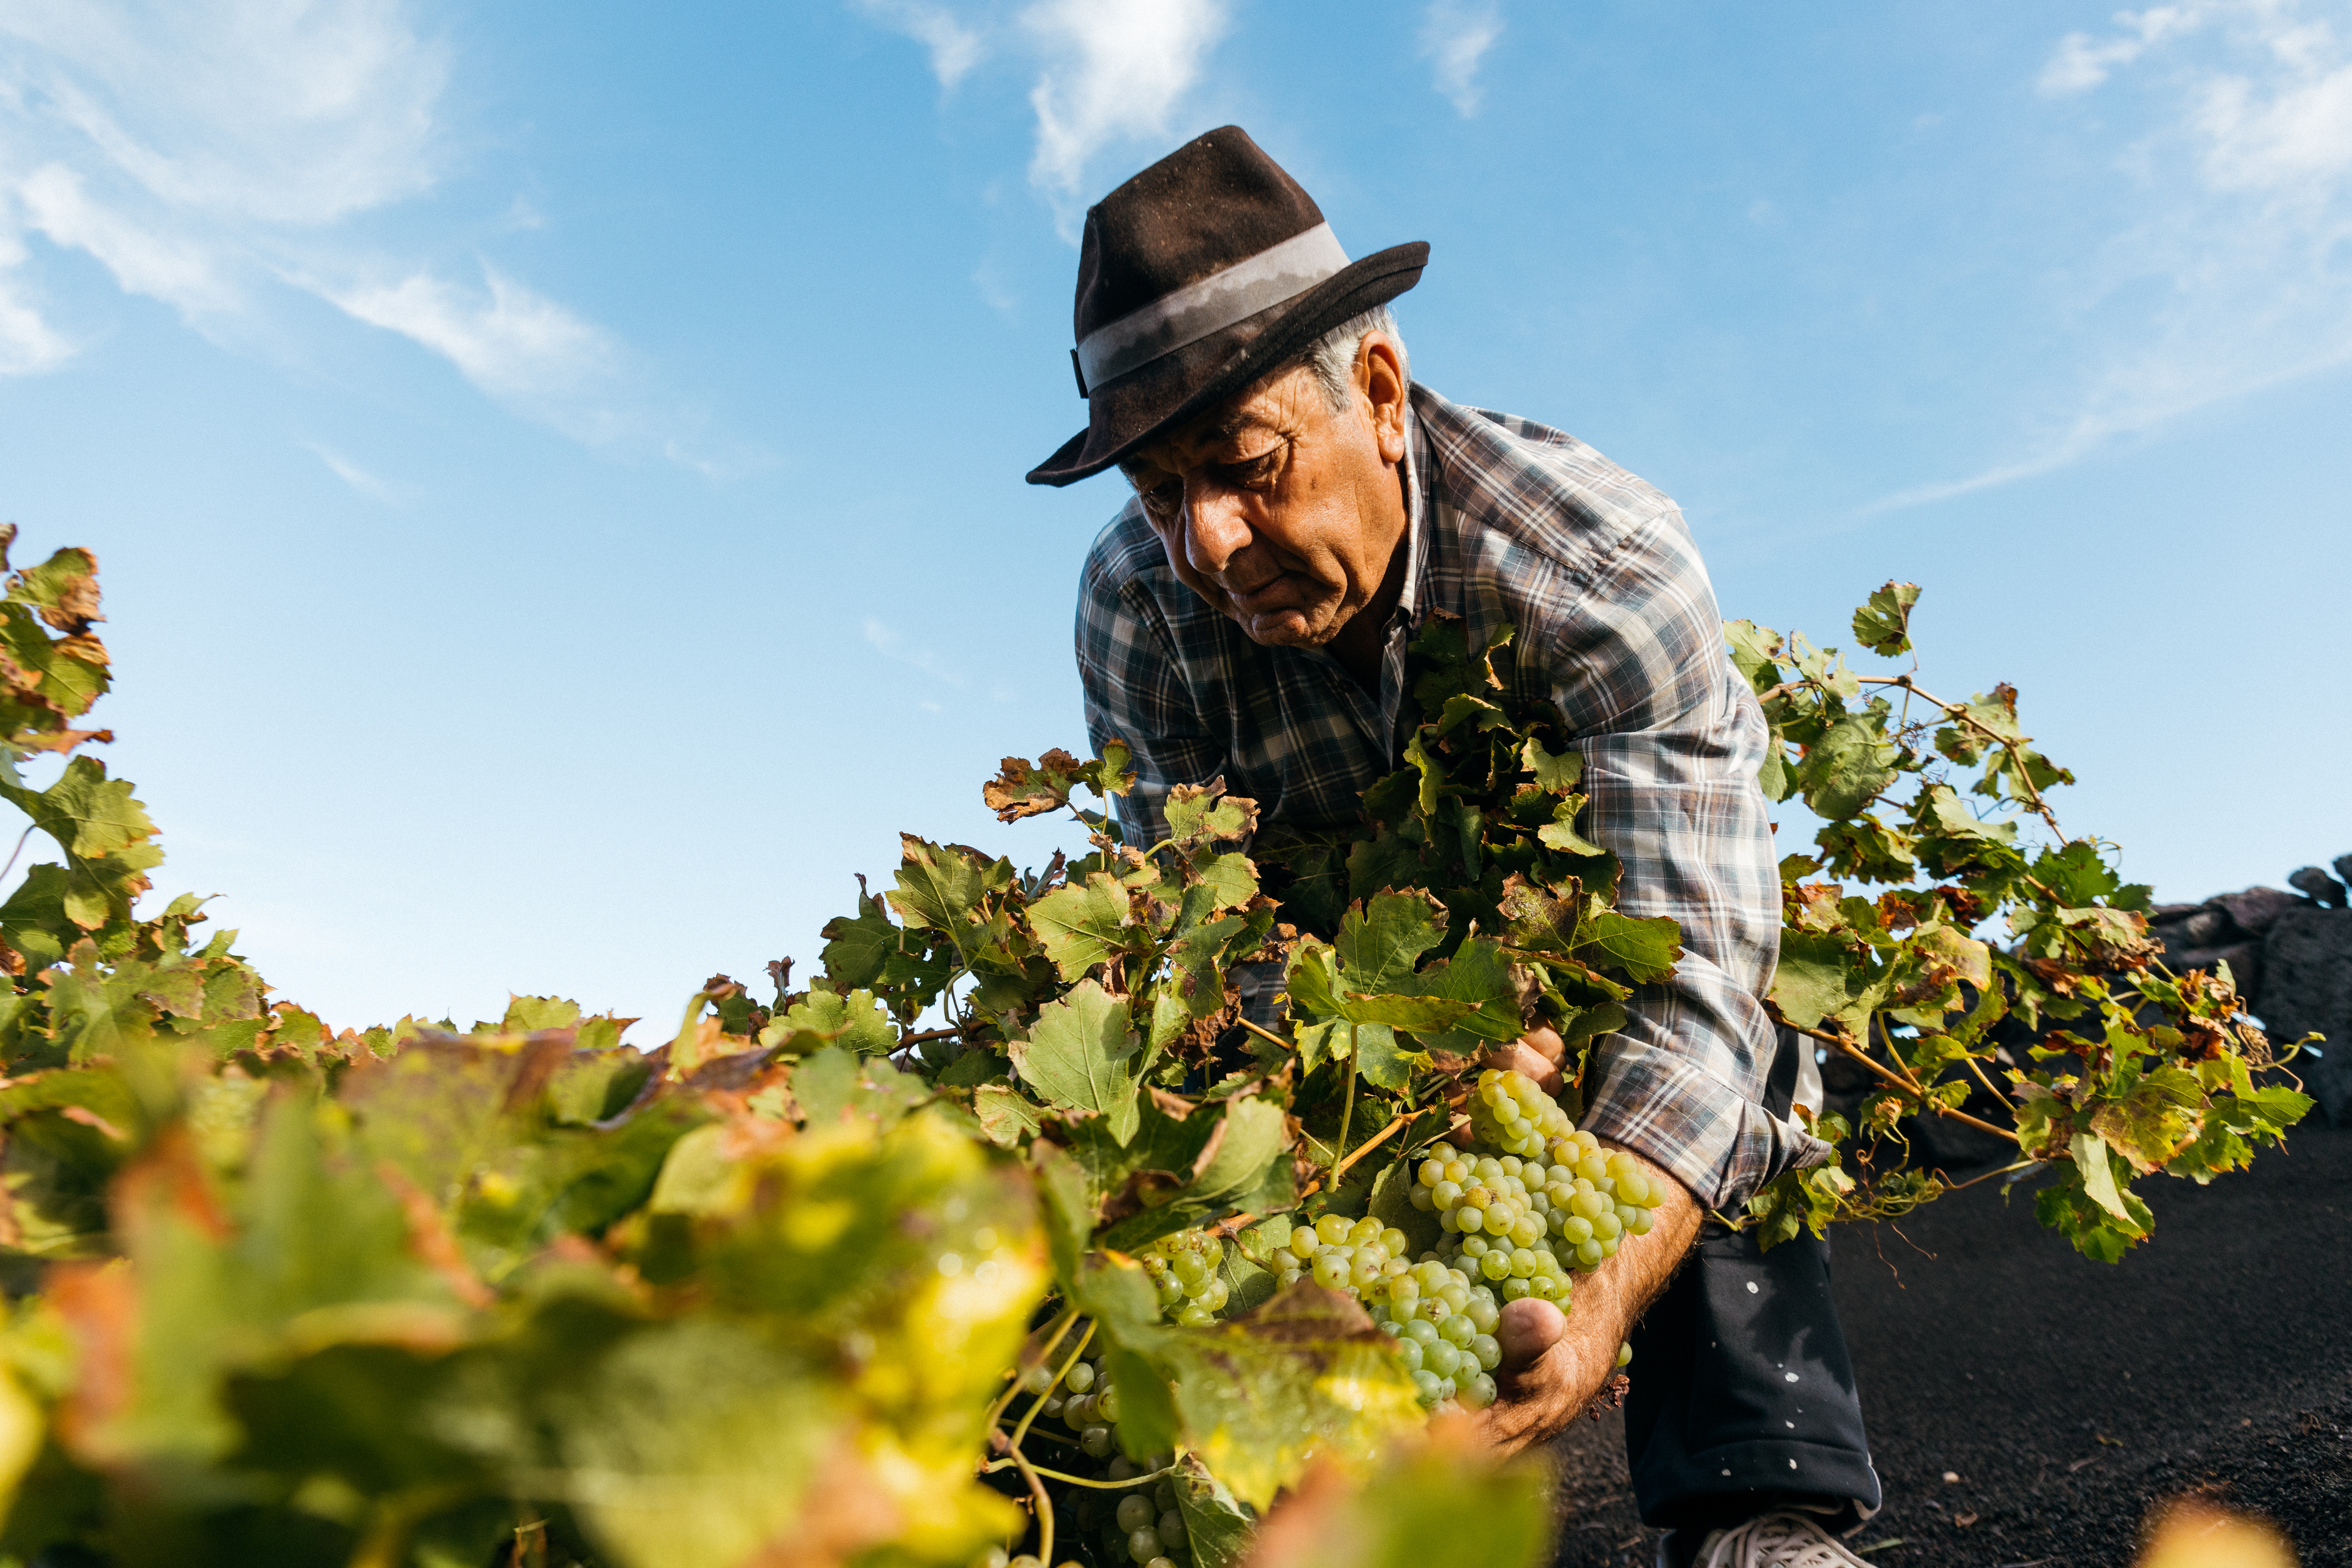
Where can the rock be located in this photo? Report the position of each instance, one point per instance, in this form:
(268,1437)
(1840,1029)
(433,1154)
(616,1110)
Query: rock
(2158,914)
(2343,864)
(2198,927)
(2307,965)
(2256,910)
(2322,888)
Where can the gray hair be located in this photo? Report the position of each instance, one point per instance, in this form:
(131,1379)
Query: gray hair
(1333,356)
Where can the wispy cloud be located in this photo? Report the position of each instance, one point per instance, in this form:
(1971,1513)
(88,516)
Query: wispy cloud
(1455,37)
(955,46)
(351,473)
(1116,71)
(2239,185)
(889,642)
(211,152)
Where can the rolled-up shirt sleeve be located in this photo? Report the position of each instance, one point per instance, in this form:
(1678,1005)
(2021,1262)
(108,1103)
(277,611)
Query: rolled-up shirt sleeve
(1672,739)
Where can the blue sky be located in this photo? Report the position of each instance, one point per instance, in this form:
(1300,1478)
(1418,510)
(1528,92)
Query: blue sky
(557,470)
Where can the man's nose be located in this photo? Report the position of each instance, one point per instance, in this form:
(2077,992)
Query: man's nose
(1215,529)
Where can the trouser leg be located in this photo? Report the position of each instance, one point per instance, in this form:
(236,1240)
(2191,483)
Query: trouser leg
(1742,1391)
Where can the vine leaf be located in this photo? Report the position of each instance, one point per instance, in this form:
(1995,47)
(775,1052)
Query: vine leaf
(1381,939)
(856,947)
(1306,1376)
(1080,924)
(1883,624)
(1646,950)
(1081,1055)
(1216,1526)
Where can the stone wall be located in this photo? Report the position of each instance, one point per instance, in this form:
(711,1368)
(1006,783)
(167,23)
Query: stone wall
(2291,954)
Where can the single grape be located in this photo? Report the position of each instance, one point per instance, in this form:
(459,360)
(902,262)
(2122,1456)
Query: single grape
(1144,1544)
(1514,1288)
(1496,1265)
(1191,1268)
(1161,1563)
(1457,1171)
(1395,1242)
(1624,1353)
(1025,1561)
(1484,1315)
(1589,1254)
(1135,1511)
(1478,1393)
(1487,1351)
(1332,1229)
(1410,1351)
(1422,1333)
(1106,1402)
(1078,1412)
(1457,1329)
(1432,1172)
(995,1557)
(1641,1222)
(1426,1385)
(1172,1527)
(1192,1315)
(1469,1220)
(1573,1229)
(1079,1378)
(1122,1468)
(1474,1247)
(1607,1226)
(1366,1229)
(1165,1494)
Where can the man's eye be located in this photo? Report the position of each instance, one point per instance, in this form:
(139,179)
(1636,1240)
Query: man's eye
(1255,473)
(1162,499)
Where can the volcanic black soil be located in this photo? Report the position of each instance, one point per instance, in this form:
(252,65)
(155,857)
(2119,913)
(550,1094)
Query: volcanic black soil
(2069,1397)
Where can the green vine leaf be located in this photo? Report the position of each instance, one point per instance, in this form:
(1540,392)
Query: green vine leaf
(1081,1055)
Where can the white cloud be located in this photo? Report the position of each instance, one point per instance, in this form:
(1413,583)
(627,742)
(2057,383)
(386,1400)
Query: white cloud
(209,153)
(1455,37)
(28,345)
(506,340)
(2235,270)
(955,48)
(145,258)
(351,473)
(887,641)
(1116,71)
(2083,62)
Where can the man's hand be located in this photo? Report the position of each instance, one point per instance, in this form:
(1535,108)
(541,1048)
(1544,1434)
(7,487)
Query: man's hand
(1554,1361)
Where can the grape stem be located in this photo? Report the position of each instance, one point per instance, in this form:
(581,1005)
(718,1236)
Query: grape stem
(1031,1413)
(1347,1106)
(1909,1086)
(995,1465)
(1045,1505)
(1061,1326)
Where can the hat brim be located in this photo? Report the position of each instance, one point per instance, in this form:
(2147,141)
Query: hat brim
(1127,413)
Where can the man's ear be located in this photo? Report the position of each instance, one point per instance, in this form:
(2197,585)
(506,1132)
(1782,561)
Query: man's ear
(1379,377)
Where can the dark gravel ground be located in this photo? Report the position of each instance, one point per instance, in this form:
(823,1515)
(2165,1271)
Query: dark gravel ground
(2069,1397)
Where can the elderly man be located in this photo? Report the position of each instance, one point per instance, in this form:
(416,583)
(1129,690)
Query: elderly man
(1299,508)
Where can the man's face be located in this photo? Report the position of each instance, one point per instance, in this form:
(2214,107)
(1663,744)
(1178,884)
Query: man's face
(1279,511)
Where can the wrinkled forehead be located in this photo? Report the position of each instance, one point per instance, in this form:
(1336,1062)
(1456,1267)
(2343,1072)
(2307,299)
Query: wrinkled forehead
(1272,407)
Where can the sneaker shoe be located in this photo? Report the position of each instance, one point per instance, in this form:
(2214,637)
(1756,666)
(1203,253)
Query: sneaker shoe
(1777,1539)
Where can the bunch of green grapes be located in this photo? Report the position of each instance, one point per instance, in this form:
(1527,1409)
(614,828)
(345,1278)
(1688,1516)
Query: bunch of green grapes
(1183,1269)
(1443,1321)
(1526,1222)
(1083,1400)
(1510,1114)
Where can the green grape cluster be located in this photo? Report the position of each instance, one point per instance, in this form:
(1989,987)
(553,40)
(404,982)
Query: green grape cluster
(1084,1402)
(1443,1321)
(1526,1222)
(1508,1112)
(1183,1270)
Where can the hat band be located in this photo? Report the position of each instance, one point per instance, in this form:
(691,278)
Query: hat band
(1174,320)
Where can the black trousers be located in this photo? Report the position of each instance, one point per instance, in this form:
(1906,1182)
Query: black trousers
(1742,1391)
(1743,1394)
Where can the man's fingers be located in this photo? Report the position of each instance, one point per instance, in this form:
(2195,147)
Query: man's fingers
(1528,1329)
(1520,1055)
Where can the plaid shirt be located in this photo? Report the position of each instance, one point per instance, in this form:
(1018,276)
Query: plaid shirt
(1617,624)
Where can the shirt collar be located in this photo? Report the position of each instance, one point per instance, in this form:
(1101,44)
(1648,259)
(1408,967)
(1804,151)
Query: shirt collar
(1418,508)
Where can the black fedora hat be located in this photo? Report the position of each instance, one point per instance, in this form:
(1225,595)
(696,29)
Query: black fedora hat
(1196,278)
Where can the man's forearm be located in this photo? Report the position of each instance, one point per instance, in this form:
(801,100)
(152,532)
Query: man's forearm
(1552,1370)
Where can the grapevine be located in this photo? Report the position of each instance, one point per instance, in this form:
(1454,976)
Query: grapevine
(1009,1237)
